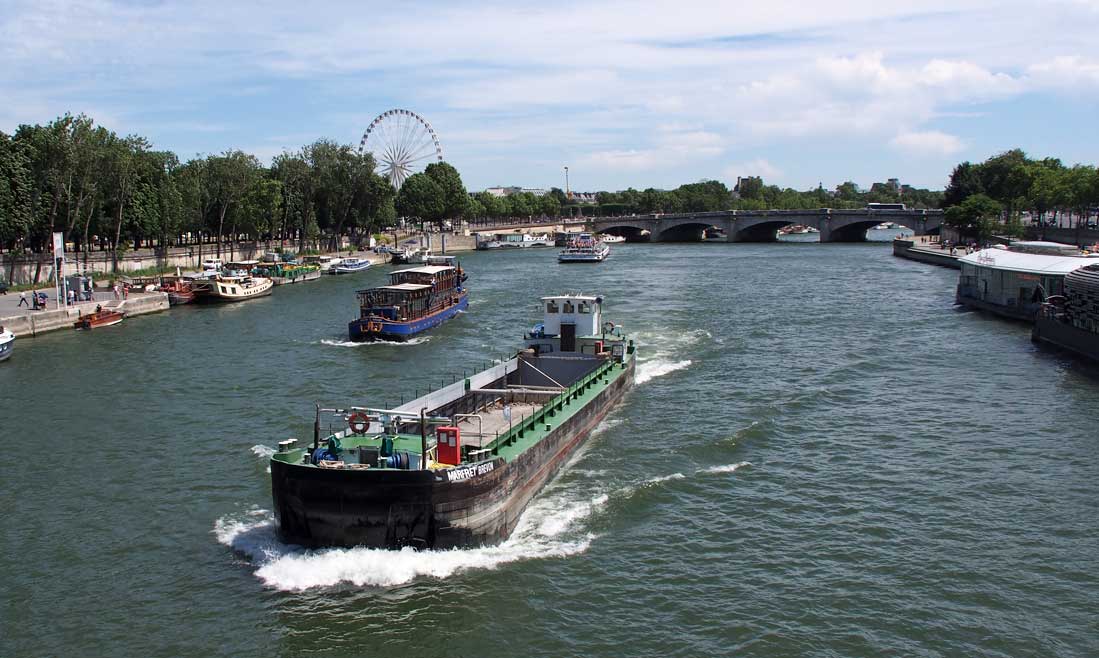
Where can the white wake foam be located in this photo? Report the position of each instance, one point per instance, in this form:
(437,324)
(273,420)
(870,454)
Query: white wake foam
(419,340)
(658,367)
(262,451)
(663,478)
(550,527)
(727,468)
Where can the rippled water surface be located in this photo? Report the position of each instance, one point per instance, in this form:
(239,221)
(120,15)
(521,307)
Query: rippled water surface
(822,457)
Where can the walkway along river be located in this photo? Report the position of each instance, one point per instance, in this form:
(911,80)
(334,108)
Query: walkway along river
(822,457)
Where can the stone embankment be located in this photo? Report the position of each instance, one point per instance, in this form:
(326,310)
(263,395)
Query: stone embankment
(32,323)
(922,249)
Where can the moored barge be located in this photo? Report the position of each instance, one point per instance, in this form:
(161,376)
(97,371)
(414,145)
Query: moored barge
(1071,320)
(415,300)
(456,467)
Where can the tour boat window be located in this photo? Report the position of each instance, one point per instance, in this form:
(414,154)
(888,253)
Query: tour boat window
(567,308)
(551,307)
(585,307)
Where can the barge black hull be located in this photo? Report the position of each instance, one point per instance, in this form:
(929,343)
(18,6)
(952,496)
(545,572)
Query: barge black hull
(392,509)
(1065,336)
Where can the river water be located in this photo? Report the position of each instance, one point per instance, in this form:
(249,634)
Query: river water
(821,457)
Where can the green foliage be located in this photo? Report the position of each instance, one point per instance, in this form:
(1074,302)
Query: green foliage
(422,198)
(1018,182)
(977,216)
(455,198)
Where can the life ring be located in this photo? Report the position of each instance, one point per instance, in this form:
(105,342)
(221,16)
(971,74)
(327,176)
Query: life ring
(358,423)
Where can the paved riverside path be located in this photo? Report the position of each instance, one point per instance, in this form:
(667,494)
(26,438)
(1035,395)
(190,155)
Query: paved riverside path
(26,322)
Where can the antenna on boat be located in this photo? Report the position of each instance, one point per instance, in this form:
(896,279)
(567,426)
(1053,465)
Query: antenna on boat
(317,427)
(423,439)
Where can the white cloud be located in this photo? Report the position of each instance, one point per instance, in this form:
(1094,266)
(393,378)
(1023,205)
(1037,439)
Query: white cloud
(927,143)
(1073,73)
(586,82)
(757,167)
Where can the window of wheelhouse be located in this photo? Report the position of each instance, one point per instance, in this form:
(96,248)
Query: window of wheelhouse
(551,306)
(567,307)
(585,307)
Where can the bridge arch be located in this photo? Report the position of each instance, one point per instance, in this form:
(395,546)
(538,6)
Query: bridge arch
(631,232)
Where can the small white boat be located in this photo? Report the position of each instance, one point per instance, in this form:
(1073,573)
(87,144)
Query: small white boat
(350,266)
(7,343)
(612,239)
(410,255)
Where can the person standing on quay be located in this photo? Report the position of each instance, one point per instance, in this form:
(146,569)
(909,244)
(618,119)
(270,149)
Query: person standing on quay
(23,299)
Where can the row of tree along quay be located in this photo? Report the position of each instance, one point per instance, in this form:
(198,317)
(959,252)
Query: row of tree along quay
(995,196)
(111,193)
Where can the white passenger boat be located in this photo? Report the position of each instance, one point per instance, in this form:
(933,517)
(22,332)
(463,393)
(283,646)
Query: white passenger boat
(513,240)
(7,343)
(350,266)
(612,239)
(584,249)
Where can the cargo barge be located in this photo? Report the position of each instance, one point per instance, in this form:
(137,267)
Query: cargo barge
(456,467)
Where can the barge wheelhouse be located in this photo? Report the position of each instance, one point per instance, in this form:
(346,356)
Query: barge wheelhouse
(415,300)
(457,466)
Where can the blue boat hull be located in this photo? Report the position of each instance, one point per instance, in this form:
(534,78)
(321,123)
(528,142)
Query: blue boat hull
(400,331)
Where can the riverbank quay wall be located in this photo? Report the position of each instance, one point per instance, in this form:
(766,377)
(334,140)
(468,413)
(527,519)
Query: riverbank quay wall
(925,252)
(763,225)
(22,268)
(1081,237)
(33,323)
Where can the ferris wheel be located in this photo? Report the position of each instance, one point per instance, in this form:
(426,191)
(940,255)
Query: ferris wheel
(402,142)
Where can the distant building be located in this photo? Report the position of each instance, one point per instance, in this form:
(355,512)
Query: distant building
(894,184)
(515,189)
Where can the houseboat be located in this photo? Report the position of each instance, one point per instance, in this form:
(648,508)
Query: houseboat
(324,262)
(415,300)
(7,343)
(457,466)
(1071,320)
(409,255)
(584,249)
(512,240)
(350,266)
(1014,281)
(231,288)
(178,290)
(282,274)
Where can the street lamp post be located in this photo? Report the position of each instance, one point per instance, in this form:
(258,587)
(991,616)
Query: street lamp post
(568,194)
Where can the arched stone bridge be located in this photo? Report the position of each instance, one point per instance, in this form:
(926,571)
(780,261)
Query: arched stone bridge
(762,225)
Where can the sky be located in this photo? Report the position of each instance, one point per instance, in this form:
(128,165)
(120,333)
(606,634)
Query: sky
(625,94)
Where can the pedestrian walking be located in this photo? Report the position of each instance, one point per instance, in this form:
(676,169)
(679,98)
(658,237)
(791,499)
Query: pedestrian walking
(70,296)
(115,290)
(125,291)
(23,299)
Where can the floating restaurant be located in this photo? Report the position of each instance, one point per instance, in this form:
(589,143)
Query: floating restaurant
(1013,282)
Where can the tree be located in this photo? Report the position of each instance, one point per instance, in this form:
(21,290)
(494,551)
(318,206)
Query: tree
(421,197)
(750,187)
(16,211)
(228,178)
(455,197)
(977,215)
(965,181)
